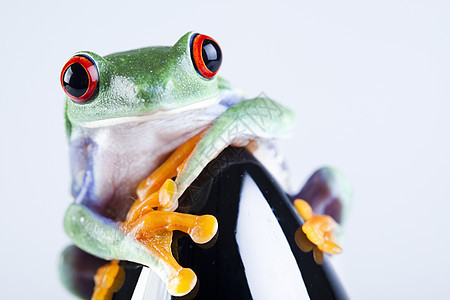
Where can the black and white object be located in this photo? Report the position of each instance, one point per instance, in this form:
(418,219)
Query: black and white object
(254,255)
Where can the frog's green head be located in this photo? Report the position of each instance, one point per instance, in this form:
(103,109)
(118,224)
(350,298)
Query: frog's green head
(141,84)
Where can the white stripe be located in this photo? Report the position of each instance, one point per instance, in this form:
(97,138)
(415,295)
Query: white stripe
(270,266)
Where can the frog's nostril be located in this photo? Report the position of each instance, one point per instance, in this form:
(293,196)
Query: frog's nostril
(79,79)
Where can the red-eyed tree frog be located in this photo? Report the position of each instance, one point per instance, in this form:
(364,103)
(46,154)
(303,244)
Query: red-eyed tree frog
(141,126)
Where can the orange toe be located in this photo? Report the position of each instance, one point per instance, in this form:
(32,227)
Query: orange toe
(319,229)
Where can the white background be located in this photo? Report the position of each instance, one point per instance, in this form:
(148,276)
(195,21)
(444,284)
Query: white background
(368,80)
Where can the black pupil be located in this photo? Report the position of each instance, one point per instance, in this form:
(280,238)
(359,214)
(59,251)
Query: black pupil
(76,80)
(212,56)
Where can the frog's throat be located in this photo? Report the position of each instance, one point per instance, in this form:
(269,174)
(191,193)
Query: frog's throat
(155,115)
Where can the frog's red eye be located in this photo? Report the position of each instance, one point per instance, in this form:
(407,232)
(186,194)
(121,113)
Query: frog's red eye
(79,79)
(206,55)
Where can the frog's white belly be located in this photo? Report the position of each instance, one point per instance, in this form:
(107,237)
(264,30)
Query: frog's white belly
(108,163)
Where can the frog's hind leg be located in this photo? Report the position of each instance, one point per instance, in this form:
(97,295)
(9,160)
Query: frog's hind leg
(323,204)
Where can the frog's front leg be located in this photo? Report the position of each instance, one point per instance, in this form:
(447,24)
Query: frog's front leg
(259,118)
(157,190)
(148,188)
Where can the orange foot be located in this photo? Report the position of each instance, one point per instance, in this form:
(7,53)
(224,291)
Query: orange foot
(306,245)
(154,230)
(108,280)
(318,228)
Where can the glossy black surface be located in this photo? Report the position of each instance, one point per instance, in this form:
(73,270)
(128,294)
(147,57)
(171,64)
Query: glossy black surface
(76,80)
(212,55)
(219,268)
(132,272)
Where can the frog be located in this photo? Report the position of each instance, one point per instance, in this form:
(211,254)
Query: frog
(141,126)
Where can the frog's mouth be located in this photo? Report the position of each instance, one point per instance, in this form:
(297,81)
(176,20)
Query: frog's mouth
(154,115)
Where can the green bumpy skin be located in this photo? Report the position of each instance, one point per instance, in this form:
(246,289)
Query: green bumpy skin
(258,118)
